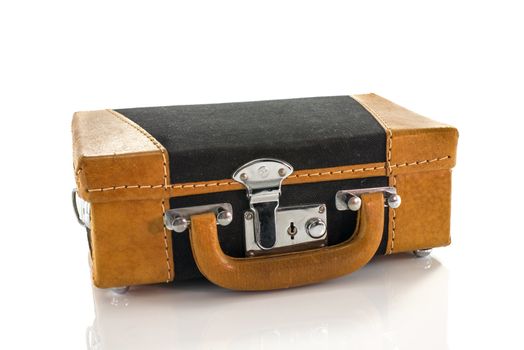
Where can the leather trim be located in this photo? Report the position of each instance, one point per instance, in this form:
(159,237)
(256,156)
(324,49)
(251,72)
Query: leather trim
(412,137)
(409,136)
(151,191)
(129,244)
(423,219)
(109,148)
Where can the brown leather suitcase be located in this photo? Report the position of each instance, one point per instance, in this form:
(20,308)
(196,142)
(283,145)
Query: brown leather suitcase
(259,195)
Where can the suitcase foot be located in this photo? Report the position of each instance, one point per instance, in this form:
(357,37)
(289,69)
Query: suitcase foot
(120,290)
(421,253)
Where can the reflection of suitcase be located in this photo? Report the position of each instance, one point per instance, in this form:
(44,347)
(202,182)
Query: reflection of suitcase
(378,307)
(297,187)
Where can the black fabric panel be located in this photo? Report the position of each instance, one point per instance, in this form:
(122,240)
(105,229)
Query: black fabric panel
(209,142)
(341,224)
(384,242)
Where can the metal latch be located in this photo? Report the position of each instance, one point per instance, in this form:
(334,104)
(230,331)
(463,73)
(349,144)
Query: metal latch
(266,225)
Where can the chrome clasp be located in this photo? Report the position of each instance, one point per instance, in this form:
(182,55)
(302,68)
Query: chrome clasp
(263,180)
(269,228)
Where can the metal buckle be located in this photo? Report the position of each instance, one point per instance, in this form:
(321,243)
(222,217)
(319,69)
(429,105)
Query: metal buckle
(179,219)
(268,227)
(82,209)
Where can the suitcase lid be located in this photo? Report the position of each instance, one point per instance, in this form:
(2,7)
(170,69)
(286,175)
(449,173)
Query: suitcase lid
(158,152)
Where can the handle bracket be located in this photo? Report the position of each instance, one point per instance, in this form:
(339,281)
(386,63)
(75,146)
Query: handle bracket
(351,199)
(179,219)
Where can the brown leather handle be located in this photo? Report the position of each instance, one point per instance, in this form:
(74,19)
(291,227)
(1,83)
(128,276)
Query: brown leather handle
(291,269)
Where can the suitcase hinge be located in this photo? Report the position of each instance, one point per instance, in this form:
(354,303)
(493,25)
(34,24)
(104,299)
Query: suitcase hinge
(82,210)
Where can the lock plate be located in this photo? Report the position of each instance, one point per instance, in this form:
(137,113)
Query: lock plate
(297,228)
(269,228)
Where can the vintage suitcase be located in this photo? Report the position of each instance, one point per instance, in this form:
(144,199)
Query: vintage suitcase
(259,195)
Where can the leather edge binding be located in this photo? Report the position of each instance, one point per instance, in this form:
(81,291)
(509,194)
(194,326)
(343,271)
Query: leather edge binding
(129,191)
(139,150)
(412,135)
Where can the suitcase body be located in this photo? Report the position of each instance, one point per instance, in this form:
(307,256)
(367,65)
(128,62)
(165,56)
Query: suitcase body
(259,195)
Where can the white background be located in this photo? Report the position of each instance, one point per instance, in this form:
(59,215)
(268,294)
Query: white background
(459,62)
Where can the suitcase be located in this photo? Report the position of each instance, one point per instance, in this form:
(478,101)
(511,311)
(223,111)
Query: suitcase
(259,195)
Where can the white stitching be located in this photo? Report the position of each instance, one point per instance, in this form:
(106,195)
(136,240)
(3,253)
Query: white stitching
(230,183)
(390,168)
(165,186)
(388,129)
(393,222)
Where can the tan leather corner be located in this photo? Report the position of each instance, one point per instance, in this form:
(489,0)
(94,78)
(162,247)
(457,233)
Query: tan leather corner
(423,218)
(412,138)
(130,244)
(419,155)
(110,150)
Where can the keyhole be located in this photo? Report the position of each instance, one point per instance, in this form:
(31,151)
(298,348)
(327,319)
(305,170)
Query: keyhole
(292,230)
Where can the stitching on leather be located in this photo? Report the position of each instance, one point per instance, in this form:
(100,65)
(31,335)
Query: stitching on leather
(388,129)
(390,172)
(394,211)
(326,173)
(166,246)
(389,167)
(230,183)
(399,165)
(393,222)
(165,186)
